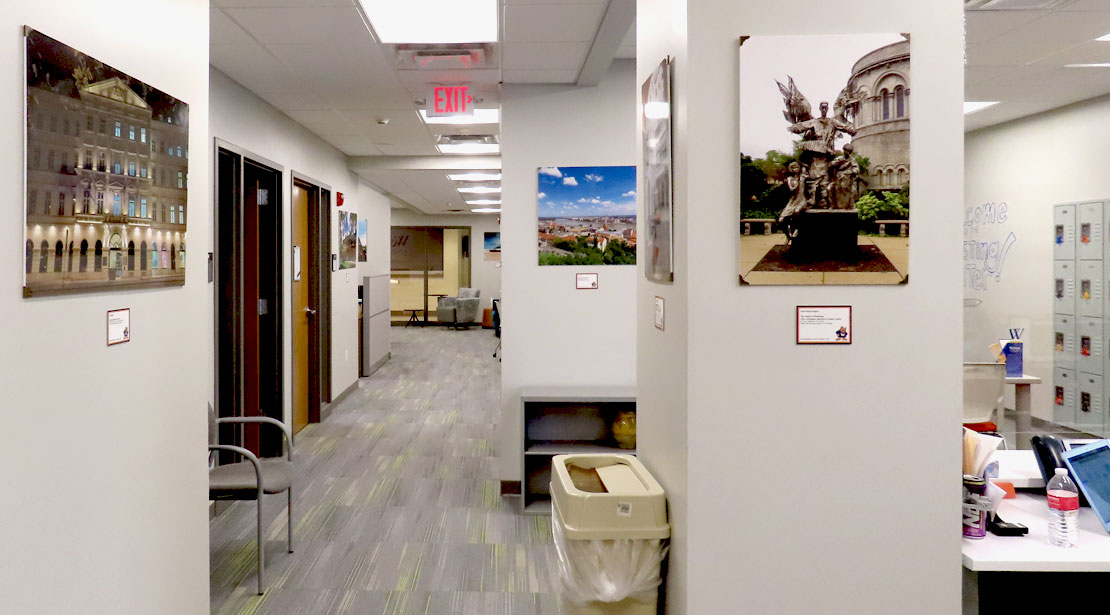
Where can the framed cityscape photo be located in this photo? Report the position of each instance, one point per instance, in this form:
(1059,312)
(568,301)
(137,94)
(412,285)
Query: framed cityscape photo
(658,191)
(107,161)
(348,239)
(587,215)
(824,159)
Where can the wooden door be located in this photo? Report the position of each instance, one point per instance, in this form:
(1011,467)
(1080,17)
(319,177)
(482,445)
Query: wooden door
(301,306)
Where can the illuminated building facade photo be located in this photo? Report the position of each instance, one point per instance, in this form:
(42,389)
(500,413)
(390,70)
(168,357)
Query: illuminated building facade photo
(107,174)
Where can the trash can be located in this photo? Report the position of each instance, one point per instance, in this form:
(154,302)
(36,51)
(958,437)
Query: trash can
(609,521)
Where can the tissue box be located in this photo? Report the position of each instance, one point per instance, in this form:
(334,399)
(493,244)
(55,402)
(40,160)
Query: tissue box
(1012,350)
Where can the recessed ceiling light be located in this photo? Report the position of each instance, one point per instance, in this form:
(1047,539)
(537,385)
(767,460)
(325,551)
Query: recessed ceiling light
(484,202)
(1105,38)
(474,177)
(486,210)
(481,116)
(469,148)
(433,21)
(1091,65)
(971,106)
(480,190)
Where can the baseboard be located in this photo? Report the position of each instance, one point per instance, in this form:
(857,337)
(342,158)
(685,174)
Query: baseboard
(376,366)
(326,409)
(510,487)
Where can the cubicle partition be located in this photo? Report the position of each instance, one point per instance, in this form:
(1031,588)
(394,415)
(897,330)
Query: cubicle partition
(375,323)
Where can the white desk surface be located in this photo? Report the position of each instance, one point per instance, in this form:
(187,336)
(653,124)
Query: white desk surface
(1019,468)
(1023,379)
(1032,552)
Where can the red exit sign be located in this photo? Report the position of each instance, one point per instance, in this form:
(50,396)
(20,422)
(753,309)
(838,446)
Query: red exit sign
(450,100)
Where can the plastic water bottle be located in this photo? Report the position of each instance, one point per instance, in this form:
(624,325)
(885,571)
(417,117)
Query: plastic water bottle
(1063,509)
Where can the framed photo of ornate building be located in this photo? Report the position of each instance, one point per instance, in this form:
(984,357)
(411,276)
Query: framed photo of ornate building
(824,159)
(107,159)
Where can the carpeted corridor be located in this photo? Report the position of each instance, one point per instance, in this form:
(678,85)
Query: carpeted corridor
(396,506)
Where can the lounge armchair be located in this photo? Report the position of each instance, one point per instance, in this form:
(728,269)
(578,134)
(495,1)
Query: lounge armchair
(461,311)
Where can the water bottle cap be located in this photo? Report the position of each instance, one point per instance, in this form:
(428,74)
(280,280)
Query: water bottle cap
(1060,471)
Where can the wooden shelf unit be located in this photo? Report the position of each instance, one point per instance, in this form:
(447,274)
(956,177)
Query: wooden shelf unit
(561,421)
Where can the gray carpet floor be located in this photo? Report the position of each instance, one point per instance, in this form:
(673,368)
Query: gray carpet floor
(397,508)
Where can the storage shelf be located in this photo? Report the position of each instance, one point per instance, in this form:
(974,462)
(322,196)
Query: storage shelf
(538,507)
(573,448)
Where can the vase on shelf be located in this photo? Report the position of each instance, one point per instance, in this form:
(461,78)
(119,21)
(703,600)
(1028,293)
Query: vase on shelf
(624,429)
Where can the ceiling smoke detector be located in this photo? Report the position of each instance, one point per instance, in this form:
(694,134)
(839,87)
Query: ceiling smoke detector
(1015,5)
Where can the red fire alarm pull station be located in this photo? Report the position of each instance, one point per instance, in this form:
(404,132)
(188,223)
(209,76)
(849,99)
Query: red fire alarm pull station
(450,100)
(339,199)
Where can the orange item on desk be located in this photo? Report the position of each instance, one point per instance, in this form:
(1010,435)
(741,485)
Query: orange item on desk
(1008,488)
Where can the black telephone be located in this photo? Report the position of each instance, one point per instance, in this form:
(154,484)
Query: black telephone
(1049,451)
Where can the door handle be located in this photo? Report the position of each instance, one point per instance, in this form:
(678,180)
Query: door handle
(310,311)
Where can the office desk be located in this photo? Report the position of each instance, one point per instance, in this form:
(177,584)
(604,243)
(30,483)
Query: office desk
(1007,573)
(1023,407)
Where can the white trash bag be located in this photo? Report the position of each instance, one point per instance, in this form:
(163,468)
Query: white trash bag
(608,570)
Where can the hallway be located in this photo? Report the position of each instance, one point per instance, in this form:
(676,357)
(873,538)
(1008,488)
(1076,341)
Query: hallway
(396,505)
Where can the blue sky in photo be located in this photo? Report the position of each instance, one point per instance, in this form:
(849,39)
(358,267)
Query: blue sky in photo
(587,191)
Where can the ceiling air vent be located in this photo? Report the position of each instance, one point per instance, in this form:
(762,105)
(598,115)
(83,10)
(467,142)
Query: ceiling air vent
(445,57)
(1014,5)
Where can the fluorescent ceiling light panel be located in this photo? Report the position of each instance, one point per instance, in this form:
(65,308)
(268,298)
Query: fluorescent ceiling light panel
(474,177)
(971,106)
(433,21)
(480,190)
(1091,65)
(481,116)
(484,202)
(469,148)
(1105,38)
(485,210)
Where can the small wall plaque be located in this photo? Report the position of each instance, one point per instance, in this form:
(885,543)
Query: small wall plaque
(824,324)
(119,326)
(659,315)
(585,281)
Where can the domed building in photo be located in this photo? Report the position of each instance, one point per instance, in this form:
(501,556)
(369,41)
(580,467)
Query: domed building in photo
(880,81)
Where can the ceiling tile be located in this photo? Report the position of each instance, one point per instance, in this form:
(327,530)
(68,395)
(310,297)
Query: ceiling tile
(300,25)
(545,56)
(982,26)
(541,76)
(543,23)
(352,145)
(223,31)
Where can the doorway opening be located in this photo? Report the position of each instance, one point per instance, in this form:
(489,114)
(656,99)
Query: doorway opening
(426,263)
(247,272)
(311,299)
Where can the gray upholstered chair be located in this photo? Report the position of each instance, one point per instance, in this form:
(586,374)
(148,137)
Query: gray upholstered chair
(460,311)
(249,479)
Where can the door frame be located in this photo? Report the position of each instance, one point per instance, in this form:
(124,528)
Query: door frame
(320,280)
(234,432)
(470,267)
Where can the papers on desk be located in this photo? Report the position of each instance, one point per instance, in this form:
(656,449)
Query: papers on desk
(978,450)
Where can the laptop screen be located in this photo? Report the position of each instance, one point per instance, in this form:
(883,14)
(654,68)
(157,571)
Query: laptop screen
(1090,465)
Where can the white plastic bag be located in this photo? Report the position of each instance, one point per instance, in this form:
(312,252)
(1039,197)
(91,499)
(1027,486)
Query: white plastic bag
(607,570)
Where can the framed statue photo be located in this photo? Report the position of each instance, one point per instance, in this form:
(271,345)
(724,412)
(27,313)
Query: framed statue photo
(657,186)
(824,159)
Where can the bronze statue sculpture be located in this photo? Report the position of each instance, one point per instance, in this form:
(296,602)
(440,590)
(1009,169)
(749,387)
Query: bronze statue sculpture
(822,178)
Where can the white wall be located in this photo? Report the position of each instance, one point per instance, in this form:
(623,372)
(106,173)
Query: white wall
(662,360)
(104,448)
(553,334)
(1030,165)
(806,466)
(244,120)
(484,275)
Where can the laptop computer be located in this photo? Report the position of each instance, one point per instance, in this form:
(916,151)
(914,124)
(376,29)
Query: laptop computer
(1090,467)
